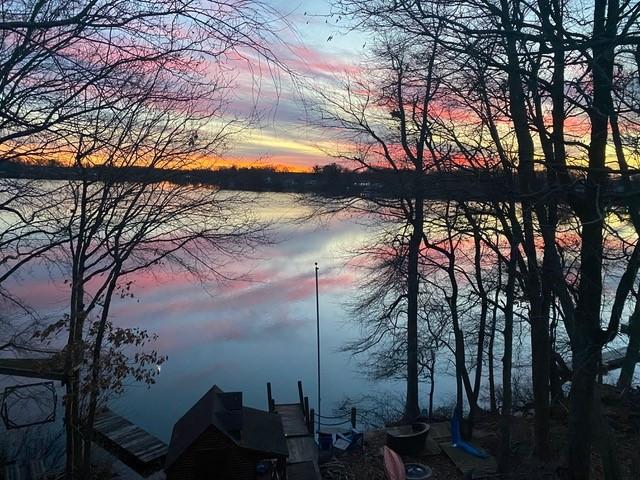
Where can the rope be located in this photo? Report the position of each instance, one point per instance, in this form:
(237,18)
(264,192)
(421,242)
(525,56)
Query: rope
(334,424)
(332,418)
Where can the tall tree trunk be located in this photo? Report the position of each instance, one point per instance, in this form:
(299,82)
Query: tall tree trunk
(633,349)
(412,409)
(539,324)
(432,385)
(462,378)
(585,364)
(505,419)
(73,418)
(463,382)
(75,341)
(586,341)
(484,309)
(94,387)
(493,406)
(555,377)
(606,442)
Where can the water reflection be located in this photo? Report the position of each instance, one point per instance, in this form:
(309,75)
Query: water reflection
(240,334)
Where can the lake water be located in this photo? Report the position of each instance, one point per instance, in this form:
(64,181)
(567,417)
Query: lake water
(242,334)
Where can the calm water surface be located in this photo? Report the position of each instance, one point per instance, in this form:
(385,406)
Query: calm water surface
(241,334)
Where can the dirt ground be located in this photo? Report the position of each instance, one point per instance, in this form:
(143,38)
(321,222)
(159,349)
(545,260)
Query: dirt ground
(621,409)
(367,464)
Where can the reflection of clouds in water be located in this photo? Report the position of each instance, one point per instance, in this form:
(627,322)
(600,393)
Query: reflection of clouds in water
(241,334)
(321,238)
(281,283)
(246,326)
(202,375)
(249,332)
(240,311)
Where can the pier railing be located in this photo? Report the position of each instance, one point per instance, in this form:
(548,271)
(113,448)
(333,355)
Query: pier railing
(313,419)
(347,418)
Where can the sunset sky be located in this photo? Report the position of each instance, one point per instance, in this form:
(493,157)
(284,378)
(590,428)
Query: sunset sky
(285,136)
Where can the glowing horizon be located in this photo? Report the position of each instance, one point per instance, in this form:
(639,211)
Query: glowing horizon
(317,49)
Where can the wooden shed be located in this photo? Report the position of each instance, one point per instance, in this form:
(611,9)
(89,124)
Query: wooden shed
(219,438)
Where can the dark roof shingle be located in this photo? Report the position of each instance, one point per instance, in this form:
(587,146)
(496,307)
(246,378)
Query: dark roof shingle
(248,428)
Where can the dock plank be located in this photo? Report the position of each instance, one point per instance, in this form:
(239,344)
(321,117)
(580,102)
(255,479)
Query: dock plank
(469,465)
(431,447)
(131,444)
(302,449)
(302,471)
(293,422)
(612,359)
(51,368)
(440,431)
(302,461)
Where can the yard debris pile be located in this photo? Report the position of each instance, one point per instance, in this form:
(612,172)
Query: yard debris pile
(621,409)
(367,463)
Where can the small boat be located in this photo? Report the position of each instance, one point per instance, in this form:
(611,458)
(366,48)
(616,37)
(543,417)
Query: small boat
(396,469)
(408,439)
(393,465)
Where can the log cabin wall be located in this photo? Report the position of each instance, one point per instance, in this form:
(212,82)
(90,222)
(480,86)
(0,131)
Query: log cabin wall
(214,456)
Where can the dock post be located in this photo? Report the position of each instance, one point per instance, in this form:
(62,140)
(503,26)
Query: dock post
(300,395)
(600,368)
(305,409)
(353,417)
(269,397)
(311,423)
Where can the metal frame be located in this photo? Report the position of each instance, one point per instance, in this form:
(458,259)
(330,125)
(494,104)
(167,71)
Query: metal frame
(8,391)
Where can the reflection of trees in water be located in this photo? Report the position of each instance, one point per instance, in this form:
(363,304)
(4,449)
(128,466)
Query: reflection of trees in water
(104,87)
(28,404)
(40,442)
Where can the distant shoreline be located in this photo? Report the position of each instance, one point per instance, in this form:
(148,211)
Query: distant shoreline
(330,181)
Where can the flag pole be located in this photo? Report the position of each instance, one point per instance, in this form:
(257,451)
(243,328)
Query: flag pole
(318,339)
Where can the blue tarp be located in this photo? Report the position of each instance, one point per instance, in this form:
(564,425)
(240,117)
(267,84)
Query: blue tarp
(458,442)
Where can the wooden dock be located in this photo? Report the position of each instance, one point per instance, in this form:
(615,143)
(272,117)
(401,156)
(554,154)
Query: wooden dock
(134,446)
(33,470)
(468,465)
(293,419)
(612,359)
(51,368)
(297,423)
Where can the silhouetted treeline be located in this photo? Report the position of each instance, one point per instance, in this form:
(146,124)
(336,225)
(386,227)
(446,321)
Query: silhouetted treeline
(330,180)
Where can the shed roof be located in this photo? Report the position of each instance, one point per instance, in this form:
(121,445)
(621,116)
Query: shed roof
(248,428)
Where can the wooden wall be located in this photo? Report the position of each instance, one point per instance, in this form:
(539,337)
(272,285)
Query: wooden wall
(214,456)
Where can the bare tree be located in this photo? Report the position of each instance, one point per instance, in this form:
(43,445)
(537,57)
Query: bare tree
(389,118)
(528,47)
(62,62)
(120,217)
(48,59)
(125,93)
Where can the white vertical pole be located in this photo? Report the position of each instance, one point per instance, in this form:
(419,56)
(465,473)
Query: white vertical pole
(318,338)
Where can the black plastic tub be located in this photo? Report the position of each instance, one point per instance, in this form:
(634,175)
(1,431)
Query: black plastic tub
(407,439)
